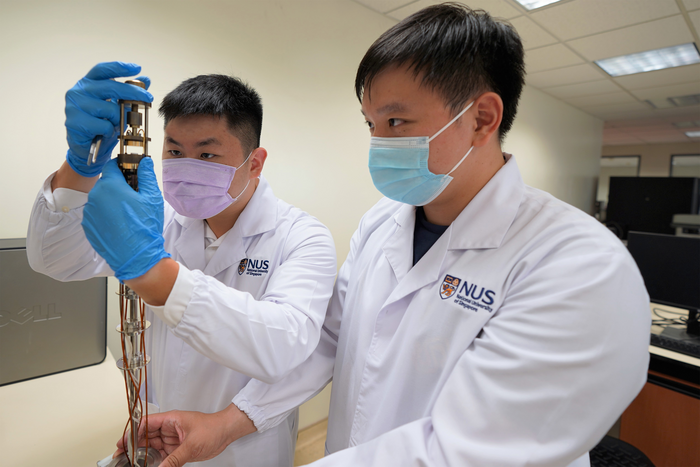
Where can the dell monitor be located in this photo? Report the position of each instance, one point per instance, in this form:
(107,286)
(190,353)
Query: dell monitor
(47,326)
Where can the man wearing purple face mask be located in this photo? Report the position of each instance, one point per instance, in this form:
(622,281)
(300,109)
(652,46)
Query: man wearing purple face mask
(237,283)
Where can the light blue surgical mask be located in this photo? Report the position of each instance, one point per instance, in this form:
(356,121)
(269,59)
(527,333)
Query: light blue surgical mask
(399,167)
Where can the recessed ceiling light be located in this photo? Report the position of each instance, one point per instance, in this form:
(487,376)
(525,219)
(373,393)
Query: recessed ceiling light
(660,103)
(692,134)
(533,4)
(682,101)
(688,124)
(651,60)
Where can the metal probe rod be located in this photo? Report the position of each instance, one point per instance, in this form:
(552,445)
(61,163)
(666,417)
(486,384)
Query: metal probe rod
(133,147)
(135,372)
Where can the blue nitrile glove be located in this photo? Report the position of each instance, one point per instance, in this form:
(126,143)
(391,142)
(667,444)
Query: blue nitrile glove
(124,226)
(88,113)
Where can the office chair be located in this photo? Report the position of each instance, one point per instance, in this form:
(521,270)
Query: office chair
(612,452)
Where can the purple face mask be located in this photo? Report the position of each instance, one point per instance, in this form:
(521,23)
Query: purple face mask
(198,189)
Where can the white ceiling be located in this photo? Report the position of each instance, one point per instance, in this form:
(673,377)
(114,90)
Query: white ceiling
(563,39)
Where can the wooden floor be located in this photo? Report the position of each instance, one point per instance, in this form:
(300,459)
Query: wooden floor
(311,443)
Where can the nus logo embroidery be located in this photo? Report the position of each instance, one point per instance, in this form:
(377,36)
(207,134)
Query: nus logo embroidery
(449,286)
(469,296)
(254,267)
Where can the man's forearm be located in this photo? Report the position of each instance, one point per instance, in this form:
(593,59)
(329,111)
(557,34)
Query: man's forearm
(155,286)
(66,177)
(237,423)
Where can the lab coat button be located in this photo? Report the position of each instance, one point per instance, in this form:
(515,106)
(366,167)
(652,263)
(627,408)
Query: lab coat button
(65,209)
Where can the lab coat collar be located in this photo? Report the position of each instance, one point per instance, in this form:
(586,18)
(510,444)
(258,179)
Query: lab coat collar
(484,222)
(190,244)
(399,253)
(259,216)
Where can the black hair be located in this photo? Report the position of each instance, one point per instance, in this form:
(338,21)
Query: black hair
(222,96)
(460,54)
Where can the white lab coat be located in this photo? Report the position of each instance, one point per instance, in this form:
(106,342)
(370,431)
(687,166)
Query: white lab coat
(241,322)
(528,361)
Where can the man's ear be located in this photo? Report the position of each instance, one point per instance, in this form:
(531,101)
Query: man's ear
(489,113)
(257,161)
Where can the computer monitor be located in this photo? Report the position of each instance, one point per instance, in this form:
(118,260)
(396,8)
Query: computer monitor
(47,326)
(647,204)
(670,266)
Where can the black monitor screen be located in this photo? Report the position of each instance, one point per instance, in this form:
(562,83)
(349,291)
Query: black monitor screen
(670,266)
(647,204)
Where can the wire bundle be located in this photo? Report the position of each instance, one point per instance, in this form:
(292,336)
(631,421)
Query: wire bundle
(129,375)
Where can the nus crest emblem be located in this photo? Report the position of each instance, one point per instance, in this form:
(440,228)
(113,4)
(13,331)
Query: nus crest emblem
(449,286)
(242,265)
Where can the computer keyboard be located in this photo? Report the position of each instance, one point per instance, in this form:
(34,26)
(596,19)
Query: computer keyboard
(686,347)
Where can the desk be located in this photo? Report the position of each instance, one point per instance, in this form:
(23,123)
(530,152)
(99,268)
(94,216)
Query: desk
(664,420)
(70,419)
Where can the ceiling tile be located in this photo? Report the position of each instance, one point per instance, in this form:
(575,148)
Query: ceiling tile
(651,122)
(691,112)
(678,75)
(618,133)
(663,137)
(654,134)
(550,57)
(610,132)
(582,18)
(591,88)
(531,34)
(647,124)
(600,99)
(629,107)
(620,140)
(695,19)
(640,132)
(569,75)
(639,38)
(614,114)
(691,5)
(382,6)
(497,8)
(662,92)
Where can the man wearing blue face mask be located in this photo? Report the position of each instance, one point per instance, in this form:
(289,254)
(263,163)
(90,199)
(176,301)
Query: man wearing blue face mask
(236,281)
(465,325)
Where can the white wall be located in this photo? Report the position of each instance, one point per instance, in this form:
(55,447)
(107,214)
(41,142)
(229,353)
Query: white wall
(300,55)
(557,148)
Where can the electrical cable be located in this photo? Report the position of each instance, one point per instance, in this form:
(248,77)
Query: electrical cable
(665,321)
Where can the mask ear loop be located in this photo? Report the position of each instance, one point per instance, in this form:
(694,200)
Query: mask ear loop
(242,191)
(460,162)
(446,127)
(246,185)
(246,159)
(451,122)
